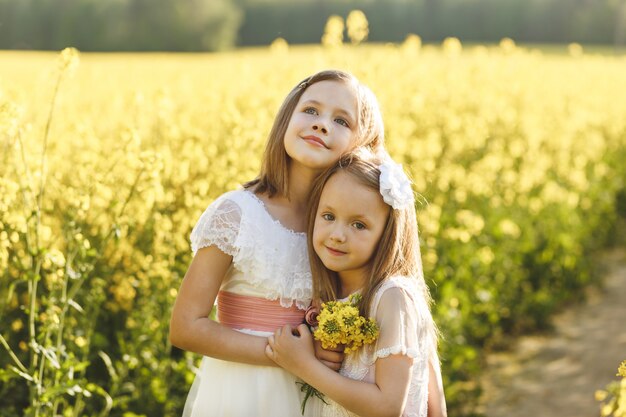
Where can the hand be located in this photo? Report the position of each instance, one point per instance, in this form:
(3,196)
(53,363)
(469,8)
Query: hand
(291,348)
(332,357)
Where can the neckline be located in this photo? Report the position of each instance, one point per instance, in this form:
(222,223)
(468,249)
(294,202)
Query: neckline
(274,220)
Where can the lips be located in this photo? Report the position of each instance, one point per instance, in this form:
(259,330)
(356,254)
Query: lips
(314,140)
(335,252)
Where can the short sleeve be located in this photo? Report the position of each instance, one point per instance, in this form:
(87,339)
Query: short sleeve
(219,225)
(402,330)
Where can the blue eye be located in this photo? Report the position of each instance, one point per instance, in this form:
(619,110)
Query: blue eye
(310,110)
(359,225)
(329,217)
(342,122)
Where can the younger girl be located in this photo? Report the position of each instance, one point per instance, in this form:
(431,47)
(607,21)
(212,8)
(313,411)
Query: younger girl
(250,252)
(363,239)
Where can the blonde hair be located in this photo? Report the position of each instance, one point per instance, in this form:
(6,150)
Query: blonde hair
(398,252)
(273,178)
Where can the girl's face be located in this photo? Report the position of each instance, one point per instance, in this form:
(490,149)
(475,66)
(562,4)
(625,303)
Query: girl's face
(323,124)
(349,223)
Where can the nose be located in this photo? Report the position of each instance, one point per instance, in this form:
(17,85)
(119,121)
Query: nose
(321,126)
(337,234)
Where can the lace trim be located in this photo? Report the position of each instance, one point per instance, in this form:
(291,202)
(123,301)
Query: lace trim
(219,225)
(412,353)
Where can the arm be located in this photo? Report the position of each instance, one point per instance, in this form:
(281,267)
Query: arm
(436,398)
(190,326)
(386,397)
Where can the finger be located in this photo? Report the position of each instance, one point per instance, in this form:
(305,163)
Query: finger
(332,365)
(278,331)
(329,356)
(338,348)
(303,329)
(269,352)
(271,341)
(304,332)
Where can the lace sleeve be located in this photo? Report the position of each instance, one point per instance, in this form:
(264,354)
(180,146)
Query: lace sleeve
(403,331)
(219,225)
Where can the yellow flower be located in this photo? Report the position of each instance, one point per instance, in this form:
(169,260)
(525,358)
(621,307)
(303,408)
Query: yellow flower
(339,322)
(279,46)
(69,60)
(621,371)
(357,26)
(600,395)
(17,325)
(80,341)
(333,33)
(452,46)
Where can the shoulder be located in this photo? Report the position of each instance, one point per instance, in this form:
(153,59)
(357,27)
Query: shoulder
(239,197)
(397,286)
(392,301)
(399,293)
(236,203)
(222,221)
(391,295)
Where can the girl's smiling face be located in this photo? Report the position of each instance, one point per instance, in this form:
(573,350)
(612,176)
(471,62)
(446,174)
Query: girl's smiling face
(323,124)
(349,223)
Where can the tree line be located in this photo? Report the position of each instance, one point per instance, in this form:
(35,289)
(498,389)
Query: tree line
(211,25)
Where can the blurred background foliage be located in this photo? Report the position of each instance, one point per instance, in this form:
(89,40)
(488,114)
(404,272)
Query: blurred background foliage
(211,25)
(516,153)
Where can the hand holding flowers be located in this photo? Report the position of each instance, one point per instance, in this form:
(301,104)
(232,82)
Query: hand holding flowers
(338,323)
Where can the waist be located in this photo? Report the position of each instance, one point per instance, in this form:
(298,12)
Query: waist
(254,313)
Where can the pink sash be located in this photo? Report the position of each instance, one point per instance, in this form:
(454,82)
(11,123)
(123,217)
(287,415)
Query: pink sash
(254,313)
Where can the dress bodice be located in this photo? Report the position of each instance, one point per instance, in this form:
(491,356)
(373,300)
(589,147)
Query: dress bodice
(269,260)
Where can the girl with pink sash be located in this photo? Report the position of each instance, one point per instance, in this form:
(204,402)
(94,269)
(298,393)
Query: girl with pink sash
(251,257)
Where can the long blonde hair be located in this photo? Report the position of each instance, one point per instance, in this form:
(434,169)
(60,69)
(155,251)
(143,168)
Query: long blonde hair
(398,252)
(273,178)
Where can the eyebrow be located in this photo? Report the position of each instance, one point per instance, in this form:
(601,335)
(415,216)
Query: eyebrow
(339,110)
(362,217)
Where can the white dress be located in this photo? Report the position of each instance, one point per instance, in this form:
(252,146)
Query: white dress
(406,328)
(270,262)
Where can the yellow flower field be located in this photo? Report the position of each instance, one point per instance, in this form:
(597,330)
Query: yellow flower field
(518,157)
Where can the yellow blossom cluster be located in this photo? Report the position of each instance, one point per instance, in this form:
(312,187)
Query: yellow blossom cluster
(517,159)
(340,324)
(613,398)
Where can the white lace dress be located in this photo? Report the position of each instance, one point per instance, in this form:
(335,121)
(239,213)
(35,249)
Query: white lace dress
(405,328)
(270,262)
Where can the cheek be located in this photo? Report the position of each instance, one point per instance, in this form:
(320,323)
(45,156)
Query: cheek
(350,142)
(288,132)
(317,233)
(321,232)
(297,121)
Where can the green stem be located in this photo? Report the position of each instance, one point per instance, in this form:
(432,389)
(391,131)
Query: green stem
(42,180)
(32,284)
(64,302)
(34,278)
(12,355)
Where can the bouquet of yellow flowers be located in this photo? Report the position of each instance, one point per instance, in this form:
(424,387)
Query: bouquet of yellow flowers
(338,323)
